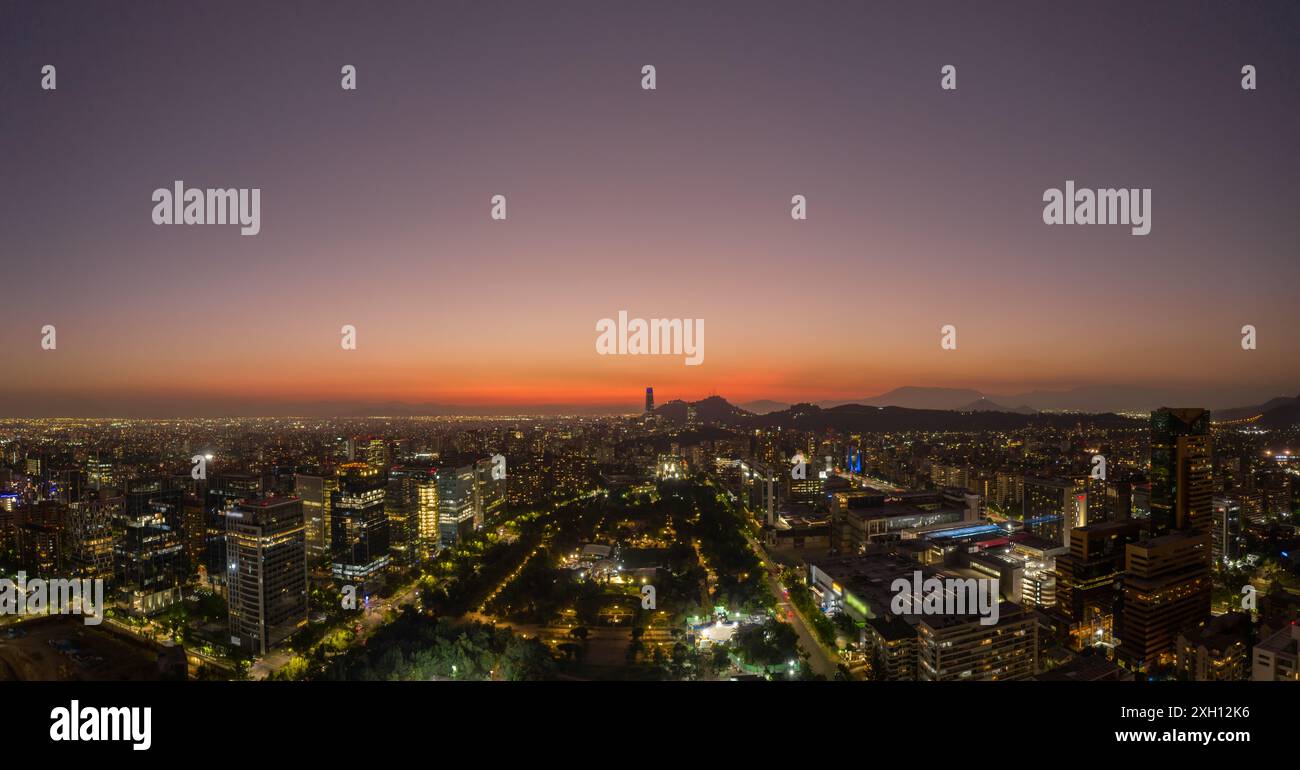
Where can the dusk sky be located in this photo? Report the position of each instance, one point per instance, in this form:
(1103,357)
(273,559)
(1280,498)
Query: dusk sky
(924,205)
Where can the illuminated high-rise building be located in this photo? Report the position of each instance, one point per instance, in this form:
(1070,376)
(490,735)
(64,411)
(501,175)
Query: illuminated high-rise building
(376,454)
(489,492)
(359,539)
(1182,471)
(267,578)
(411,504)
(961,648)
(193,531)
(223,491)
(39,549)
(1088,579)
(1166,590)
(142,494)
(1167,576)
(148,564)
(100,473)
(426,518)
(760,490)
(455,503)
(1055,506)
(809,490)
(163,496)
(649,400)
(69,484)
(88,530)
(316,493)
(1229,537)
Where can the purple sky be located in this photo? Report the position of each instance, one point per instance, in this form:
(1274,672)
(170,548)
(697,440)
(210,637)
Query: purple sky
(925,206)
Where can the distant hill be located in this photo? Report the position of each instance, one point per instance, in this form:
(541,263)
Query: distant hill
(711,409)
(1243,412)
(862,418)
(924,398)
(1285,415)
(764,406)
(1096,399)
(883,419)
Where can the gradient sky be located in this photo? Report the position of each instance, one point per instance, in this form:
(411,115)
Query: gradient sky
(925,206)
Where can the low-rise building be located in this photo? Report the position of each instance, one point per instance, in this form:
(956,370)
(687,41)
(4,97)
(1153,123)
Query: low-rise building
(1277,658)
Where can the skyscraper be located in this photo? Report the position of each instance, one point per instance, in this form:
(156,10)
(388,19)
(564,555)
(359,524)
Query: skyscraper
(224,490)
(376,454)
(1229,536)
(1167,576)
(267,579)
(1054,506)
(88,537)
(315,492)
(649,400)
(411,504)
(1166,590)
(1182,471)
(455,503)
(358,526)
(148,563)
(1088,580)
(141,494)
(39,549)
(489,492)
(161,495)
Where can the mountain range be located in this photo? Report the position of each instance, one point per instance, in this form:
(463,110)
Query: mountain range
(1091,399)
(979,414)
(861,418)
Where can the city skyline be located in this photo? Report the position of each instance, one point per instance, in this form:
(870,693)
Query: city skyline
(669,544)
(924,205)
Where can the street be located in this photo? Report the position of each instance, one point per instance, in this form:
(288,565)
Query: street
(818,658)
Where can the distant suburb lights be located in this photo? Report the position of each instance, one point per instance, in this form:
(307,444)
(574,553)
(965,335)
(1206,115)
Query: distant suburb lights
(242,206)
